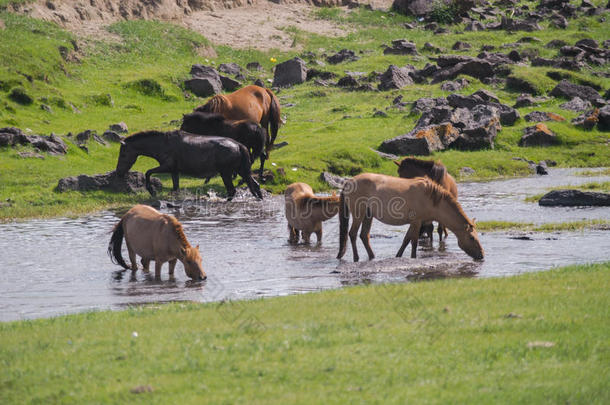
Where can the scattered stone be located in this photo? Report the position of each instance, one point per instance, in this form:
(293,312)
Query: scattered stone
(27,155)
(474,67)
(291,72)
(412,7)
(112,136)
(421,141)
(333,180)
(395,78)
(604,118)
(461,46)
(542,116)
(52,144)
(431,48)
(342,56)
(46,108)
(229,84)
(259,83)
(466,171)
(388,156)
(456,85)
(347,81)
(538,135)
(230,68)
(520,84)
(524,100)
(474,26)
(576,104)
(380,114)
(254,66)
(556,43)
(425,104)
(587,120)
(84,137)
(574,198)
(319,74)
(401,47)
(205,81)
(140,389)
(120,128)
(541,169)
(532,345)
(566,89)
(133,182)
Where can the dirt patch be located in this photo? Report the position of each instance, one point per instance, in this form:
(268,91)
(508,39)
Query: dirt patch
(258,24)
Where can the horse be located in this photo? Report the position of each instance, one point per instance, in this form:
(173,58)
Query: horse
(195,155)
(305,212)
(396,201)
(246,132)
(154,236)
(252,103)
(410,168)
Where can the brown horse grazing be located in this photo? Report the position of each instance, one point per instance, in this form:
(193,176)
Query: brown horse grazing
(252,103)
(154,236)
(248,133)
(305,212)
(396,201)
(410,168)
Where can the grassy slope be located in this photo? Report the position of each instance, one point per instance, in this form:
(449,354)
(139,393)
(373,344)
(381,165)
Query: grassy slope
(451,341)
(318,134)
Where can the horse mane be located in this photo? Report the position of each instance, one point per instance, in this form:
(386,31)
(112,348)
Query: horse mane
(438,193)
(204,116)
(177,226)
(434,169)
(214,105)
(138,136)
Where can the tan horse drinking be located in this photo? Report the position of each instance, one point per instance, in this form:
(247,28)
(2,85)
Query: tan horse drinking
(154,236)
(396,201)
(305,212)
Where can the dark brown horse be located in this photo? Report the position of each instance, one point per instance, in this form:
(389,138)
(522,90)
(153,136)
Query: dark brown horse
(248,133)
(194,155)
(410,168)
(252,103)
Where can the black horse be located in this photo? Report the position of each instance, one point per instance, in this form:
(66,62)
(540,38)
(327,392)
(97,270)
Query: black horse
(194,155)
(249,133)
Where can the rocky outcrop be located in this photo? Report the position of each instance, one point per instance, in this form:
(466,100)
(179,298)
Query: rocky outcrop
(401,47)
(566,89)
(538,135)
(395,78)
(422,141)
(133,182)
(591,118)
(52,144)
(574,198)
(289,73)
(344,55)
(576,104)
(205,81)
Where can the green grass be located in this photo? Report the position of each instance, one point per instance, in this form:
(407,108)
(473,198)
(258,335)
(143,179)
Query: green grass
(536,338)
(487,226)
(603,187)
(136,76)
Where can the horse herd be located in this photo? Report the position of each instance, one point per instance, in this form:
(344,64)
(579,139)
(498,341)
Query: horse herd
(226,135)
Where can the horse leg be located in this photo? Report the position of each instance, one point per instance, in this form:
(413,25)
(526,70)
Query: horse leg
(132,256)
(145,264)
(159,169)
(176,180)
(353,235)
(227,179)
(172,266)
(441,231)
(405,241)
(260,171)
(306,235)
(365,233)
(293,234)
(318,232)
(158,265)
(416,226)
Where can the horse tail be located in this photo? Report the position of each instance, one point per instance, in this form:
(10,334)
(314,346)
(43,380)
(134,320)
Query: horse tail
(245,171)
(114,247)
(275,120)
(343,223)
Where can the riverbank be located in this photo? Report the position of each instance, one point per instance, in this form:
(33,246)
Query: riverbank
(533,338)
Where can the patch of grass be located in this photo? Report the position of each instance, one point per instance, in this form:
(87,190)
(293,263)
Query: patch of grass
(534,338)
(490,226)
(593,186)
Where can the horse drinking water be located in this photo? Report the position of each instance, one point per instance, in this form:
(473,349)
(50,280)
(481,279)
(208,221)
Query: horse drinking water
(195,155)
(396,201)
(154,236)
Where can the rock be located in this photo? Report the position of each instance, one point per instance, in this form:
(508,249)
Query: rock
(401,47)
(510,24)
(388,156)
(229,84)
(576,104)
(395,78)
(230,68)
(587,42)
(291,72)
(426,104)
(421,141)
(27,155)
(524,100)
(342,56)
(46,108)
(333,180)
(460,46)
(259,83)
(556,43)
(566,89)
(474,26)
(542,116)
(455,85)
(380,114)
(486,96)
(474,67)
(52,144)
(133,182)
(574,198)
(466,171)
(120,128)
(112,136)
(588,120)
(205,82)
(541,169)
(520,84)
(604,118)
(412,7)
(347,81)
(319,74)
(84,137)
(254,66)
(538,135)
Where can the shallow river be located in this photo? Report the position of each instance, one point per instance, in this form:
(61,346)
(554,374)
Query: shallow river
(58,266)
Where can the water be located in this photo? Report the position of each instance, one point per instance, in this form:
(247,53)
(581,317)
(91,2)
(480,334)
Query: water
(59,266)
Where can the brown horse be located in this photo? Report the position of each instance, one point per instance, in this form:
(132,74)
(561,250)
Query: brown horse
(154,236)
(305,212)
(410,168)
(252,103)
(396,201)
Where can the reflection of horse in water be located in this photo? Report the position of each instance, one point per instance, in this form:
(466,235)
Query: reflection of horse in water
(154,236)
(305,211)
(252,103)
(396,201)
(410,168)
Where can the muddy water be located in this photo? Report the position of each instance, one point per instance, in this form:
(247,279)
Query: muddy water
(58,266)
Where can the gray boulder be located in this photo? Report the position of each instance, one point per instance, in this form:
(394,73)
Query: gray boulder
(401,47)
(230,68)
(11,136)
(574,198)
(576,104)
(205,81)
(120,128)
(344,55)
(421,141)
(395,78)
(333,180)
(289,73)
(229,84)
(112,136)
(538,135)
(133,182)
(604,118)
(565,89)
